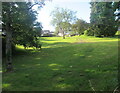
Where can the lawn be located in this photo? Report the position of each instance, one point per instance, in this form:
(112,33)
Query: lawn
(78,63)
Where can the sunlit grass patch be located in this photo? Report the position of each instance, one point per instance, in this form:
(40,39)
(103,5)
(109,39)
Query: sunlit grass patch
(6,85)
(53,65)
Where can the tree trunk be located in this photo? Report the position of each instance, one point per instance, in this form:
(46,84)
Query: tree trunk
(9,67)
(63,35)
(61,30)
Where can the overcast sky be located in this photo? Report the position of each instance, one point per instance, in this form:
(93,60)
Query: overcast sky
(81,6)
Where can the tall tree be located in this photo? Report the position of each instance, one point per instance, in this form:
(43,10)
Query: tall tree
(116,7)
(7,9)
(103,19)
(18,23)
(62,17)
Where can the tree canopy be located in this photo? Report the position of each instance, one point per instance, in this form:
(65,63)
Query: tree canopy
(62,18)
(20,25)
(80,26)
(103,19)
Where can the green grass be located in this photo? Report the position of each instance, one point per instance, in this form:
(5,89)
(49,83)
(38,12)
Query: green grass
(65,65)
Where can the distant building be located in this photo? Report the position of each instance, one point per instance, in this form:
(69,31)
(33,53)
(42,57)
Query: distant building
(67,34)
(47,33)
(44,32)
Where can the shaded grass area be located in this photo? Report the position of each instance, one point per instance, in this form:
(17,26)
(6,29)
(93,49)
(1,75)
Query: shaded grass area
(65,65)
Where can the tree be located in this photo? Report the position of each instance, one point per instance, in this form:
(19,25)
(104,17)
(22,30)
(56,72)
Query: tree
(66,27)
(62,18)
(102,19)
(56,31)
(116,8)
(80,26)
(18,23)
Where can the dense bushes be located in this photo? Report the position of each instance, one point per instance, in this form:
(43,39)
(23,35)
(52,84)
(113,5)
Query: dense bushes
(101,30)
(89,32)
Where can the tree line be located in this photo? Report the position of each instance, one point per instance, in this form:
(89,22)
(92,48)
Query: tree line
(104,20)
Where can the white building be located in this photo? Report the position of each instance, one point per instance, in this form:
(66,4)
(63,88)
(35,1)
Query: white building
(47,33)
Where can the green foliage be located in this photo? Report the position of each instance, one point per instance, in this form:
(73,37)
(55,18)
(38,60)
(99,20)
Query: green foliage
(89,32)
(75,28)
(80,26)
(117,33)
(23,22)
(62,15)
(18,20)
(65,26)
(62,18)
(116,7)
(56,31)
(103,19)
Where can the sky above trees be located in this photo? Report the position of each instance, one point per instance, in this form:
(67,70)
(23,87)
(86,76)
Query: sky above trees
(82,8)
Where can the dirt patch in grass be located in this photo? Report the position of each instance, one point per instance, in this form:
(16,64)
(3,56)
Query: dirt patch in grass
(83,41)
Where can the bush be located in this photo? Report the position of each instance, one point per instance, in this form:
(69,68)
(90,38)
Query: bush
(117,33)
(100,30)
(104,30)
(110,31)
(97,32)
(89,32)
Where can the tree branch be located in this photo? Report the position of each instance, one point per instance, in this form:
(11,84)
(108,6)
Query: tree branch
(41,3)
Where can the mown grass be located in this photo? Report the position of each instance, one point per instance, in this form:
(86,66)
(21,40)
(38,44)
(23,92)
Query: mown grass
(65,65)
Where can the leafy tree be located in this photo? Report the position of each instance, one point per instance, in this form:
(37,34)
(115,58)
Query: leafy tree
(89,31)
(103,19)
(56,31)
(62,18)
(74,28)
(116,8)
(80,26)
(66,27)
(18,23)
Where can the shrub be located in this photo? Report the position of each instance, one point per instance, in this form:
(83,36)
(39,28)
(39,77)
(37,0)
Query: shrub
(89,32)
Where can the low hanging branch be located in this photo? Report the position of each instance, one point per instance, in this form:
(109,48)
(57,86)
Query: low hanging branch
(38,3)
